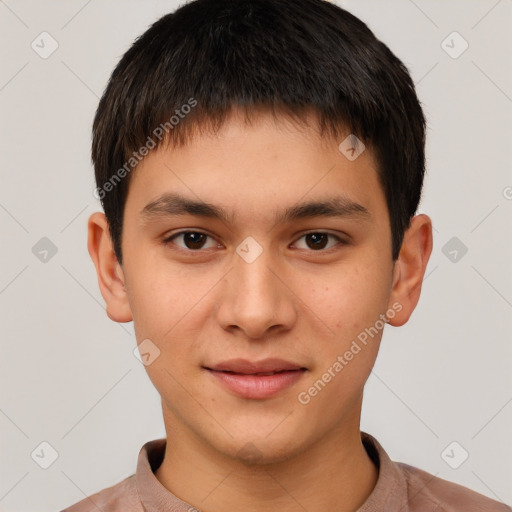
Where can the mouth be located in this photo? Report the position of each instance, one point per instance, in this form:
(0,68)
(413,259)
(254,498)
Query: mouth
(246,367)
(258,373)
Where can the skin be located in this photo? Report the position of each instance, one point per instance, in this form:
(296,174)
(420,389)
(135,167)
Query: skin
(296,301)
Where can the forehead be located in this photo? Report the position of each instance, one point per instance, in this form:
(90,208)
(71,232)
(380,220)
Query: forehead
(265,164)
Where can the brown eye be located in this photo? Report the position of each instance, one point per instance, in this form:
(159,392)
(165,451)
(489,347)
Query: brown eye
(191,240)
(318,241)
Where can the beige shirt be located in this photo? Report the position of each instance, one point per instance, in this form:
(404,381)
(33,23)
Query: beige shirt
(399,488)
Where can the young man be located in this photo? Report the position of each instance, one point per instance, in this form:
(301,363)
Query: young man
(260,163)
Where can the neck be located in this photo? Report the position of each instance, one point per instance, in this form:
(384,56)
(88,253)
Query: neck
(335,473)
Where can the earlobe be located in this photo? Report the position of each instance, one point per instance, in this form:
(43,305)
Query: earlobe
(110,274)
(410,267)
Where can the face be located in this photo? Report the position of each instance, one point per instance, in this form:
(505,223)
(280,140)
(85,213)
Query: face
(260,271)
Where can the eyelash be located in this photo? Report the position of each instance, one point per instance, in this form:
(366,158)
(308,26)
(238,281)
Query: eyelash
(341,242)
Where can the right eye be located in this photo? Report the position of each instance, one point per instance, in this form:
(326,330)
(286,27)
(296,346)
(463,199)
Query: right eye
(191,241)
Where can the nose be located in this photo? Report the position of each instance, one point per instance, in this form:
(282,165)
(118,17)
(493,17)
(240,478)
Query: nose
(256,298)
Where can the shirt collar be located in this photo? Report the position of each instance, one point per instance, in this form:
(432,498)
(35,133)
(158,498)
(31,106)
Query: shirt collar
(390,492)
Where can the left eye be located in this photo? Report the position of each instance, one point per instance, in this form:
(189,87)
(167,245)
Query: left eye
(318,241)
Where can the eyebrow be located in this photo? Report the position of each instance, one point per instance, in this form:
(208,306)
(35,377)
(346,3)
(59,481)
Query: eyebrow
(176,205)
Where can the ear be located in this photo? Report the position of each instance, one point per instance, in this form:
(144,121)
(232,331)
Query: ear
(110,273)
(409,269)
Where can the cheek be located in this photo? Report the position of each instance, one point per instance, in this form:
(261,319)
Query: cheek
(350,299)
(170,307)
(159,295)
(351,304)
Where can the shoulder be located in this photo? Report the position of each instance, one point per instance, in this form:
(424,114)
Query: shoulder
(122,496)
(444,496)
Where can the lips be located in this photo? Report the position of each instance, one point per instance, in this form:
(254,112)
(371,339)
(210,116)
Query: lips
(257,385)
(256,380)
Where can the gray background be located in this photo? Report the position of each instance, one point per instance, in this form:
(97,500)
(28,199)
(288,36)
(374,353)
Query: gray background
(68,373)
